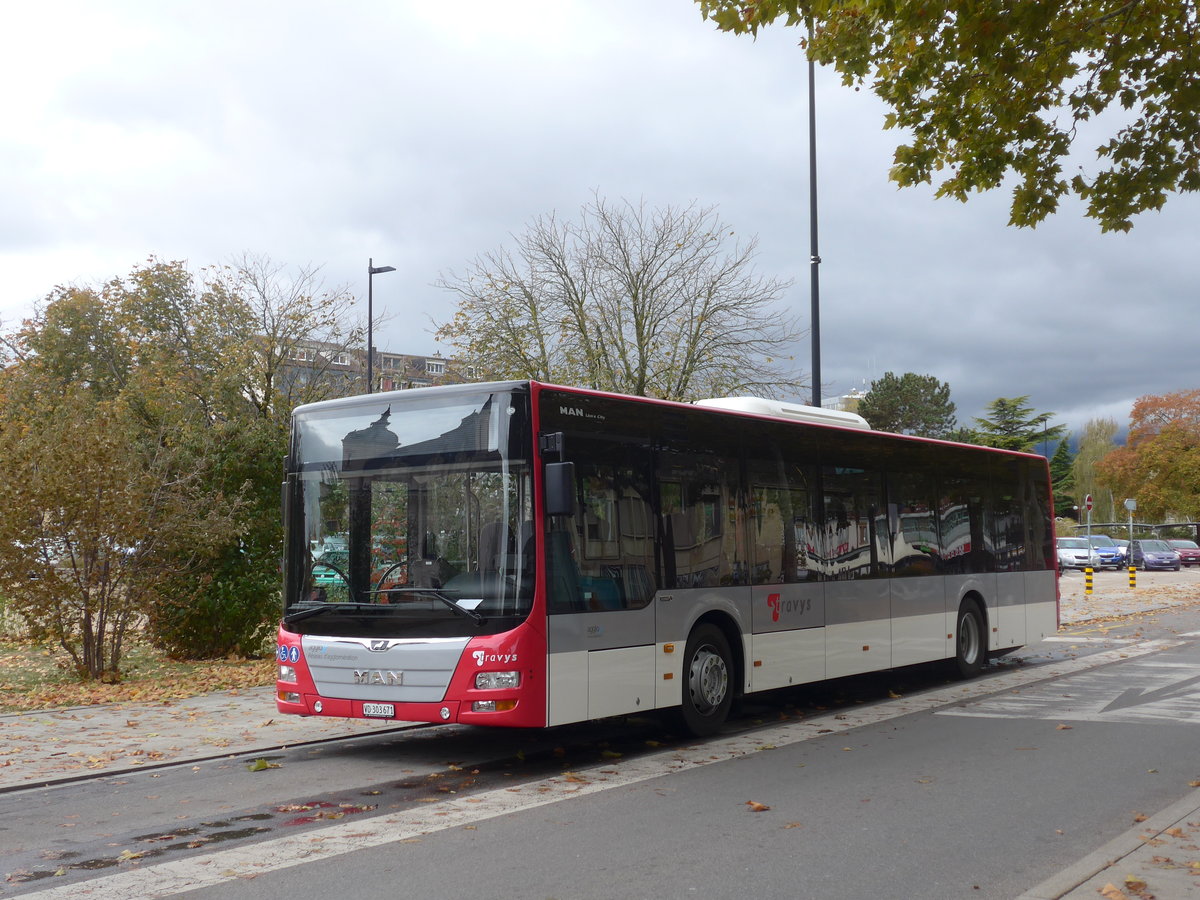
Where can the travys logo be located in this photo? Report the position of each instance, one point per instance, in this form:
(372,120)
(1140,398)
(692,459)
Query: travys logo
(482,656)
(797,605)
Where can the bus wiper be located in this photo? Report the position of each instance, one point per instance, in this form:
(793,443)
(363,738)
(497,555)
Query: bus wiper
(433,592)
(311,611)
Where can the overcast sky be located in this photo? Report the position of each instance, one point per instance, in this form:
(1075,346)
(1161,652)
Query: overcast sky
(425,134)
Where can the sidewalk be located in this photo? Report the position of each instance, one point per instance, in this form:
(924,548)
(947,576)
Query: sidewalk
(53,746)
(38,748)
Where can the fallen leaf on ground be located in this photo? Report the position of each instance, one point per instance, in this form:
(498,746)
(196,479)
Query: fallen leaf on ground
(756,806)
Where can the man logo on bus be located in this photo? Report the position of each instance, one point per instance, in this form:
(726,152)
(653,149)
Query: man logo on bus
(773,602)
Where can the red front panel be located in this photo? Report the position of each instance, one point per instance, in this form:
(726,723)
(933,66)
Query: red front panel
(521,650)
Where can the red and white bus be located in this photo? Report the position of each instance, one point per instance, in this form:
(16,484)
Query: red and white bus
(522,554)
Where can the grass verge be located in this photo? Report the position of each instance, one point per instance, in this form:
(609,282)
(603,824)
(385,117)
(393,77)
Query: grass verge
(40,676)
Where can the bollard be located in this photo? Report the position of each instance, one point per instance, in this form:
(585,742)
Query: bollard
(1133,576)
(1087,580)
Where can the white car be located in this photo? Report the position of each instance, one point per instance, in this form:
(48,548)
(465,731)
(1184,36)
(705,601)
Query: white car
(1076,553)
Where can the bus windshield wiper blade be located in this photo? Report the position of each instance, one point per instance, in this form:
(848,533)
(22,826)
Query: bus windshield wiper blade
(434,592)
(311,611)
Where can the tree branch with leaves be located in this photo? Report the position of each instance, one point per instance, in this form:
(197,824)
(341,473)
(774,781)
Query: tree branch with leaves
(997,90)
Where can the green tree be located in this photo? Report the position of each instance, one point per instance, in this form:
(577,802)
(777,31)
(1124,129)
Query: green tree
(909,404)
(1095,442)
(999,89)
(1062,480)
(628,299)
(221,344)
(1011,425)
(1159,465)
(99,513)
(193,373)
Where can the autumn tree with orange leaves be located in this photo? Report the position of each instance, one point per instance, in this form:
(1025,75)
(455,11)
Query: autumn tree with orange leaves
(1160,463)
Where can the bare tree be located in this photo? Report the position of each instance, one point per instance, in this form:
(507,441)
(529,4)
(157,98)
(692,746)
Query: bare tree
(656,302)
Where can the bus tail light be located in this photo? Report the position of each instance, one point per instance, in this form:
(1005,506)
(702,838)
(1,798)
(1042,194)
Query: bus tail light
(493,705)
(490,681)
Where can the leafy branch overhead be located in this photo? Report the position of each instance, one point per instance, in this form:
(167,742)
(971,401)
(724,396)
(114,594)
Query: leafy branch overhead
(999,89)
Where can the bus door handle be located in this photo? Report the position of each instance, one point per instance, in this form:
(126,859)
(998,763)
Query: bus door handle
(664,598)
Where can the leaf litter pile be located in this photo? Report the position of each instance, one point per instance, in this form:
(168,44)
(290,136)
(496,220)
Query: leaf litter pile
(39,676)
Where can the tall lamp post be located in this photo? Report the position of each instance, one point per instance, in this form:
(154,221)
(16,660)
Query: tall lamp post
(372,271)
(814,254)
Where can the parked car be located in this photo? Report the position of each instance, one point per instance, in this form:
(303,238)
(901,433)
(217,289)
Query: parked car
(1189,552)
(1124,545)
(1074,553)
(1154,554)
(1108,550)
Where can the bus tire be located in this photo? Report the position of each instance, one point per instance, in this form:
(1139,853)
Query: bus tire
(970,642)
(708,681)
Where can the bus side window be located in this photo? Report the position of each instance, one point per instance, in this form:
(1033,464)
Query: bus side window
(916,547)
(855,524)
(606,550)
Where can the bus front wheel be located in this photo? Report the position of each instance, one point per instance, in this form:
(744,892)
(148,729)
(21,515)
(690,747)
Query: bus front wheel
(708,683)
(970,648)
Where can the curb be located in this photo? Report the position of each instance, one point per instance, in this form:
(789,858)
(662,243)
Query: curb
(1115,851)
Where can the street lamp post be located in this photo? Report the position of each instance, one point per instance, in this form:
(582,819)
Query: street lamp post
(372,271)
(814,257)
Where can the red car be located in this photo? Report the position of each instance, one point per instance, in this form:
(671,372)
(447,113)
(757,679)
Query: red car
(1189,552)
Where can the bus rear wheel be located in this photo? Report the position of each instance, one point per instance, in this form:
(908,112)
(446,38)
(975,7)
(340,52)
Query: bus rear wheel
(970,649)
(708,685)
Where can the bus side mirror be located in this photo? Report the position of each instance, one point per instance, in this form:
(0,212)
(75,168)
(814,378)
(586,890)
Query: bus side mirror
(560,488)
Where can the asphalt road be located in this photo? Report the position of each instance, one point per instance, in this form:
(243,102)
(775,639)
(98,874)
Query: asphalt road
(896,785)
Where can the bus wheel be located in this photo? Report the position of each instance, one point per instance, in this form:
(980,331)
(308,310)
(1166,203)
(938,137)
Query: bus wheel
(970,652)
(708,691)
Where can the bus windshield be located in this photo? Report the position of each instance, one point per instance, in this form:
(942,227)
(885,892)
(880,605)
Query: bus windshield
(410,516)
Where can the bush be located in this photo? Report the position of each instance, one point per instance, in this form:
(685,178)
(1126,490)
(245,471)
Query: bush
(233,611)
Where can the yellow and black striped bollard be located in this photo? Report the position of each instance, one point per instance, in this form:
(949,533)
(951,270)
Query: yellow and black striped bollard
(1087,580)
(1133,576)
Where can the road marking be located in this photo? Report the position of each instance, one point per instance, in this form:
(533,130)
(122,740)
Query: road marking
(1190,634)
(1146,690)
(1088,640)
(256,859)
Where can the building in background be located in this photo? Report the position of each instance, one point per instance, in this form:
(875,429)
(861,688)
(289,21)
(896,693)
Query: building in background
(846,403)
(345,368)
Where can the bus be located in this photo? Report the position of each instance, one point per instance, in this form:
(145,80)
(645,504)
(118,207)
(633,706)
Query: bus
(524,554)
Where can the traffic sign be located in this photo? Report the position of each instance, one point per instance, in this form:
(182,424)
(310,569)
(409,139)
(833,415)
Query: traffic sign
(1087,502)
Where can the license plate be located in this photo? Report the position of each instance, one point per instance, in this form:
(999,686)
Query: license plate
(379,710)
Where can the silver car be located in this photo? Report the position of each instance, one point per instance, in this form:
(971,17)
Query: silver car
(1076,553)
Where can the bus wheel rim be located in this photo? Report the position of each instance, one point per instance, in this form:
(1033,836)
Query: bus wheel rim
(968,638)
(708,680)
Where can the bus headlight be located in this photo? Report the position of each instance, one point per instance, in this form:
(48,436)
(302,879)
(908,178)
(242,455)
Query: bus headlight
(490,681)
(287,673)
